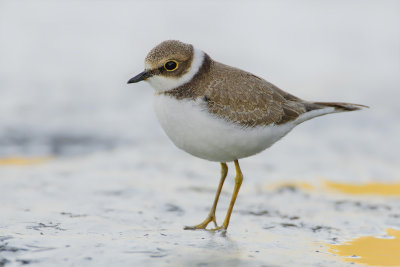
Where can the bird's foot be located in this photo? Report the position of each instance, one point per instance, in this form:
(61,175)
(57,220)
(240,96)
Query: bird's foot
(220,229)
(204,224)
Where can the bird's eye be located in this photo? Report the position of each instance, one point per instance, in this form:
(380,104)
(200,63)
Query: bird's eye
(171,65)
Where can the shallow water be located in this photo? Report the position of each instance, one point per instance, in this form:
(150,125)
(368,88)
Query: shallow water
(87,177)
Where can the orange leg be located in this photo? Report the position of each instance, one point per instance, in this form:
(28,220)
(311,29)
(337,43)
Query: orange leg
(238,183)
(211,216)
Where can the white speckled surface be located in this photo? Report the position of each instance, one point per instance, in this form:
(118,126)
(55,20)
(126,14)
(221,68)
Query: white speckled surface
(129,207)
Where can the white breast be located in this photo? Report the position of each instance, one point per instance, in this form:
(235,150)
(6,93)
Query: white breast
(189,125)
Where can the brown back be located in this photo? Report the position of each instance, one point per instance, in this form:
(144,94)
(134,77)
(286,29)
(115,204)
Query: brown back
(240,97)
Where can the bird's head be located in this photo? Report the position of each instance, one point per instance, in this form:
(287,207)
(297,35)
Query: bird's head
(170,65)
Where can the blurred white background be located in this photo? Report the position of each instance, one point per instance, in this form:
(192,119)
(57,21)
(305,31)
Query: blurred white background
(64,67)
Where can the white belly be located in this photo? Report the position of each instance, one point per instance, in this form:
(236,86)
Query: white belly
(189,125)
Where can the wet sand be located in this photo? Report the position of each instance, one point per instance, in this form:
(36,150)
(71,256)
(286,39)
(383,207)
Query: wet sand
(128,208)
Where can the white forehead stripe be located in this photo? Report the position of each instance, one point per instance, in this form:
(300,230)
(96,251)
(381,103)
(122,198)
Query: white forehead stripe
(162,84)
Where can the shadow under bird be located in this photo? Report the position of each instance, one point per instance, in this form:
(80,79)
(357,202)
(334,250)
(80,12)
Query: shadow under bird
(221,113)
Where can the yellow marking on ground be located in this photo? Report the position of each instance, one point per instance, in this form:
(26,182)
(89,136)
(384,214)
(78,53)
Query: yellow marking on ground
(300,185)
(22,161)
(370,188)
(371,250)
(306,186)
(373,188)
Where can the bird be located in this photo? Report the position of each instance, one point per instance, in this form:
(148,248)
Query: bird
(221,113)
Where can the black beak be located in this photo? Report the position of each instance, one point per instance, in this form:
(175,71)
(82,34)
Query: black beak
(140,77)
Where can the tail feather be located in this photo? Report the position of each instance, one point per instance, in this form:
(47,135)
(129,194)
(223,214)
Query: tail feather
(339,106)
(316,109)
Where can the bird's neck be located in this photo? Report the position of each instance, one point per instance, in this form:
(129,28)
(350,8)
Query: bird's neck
(196,86)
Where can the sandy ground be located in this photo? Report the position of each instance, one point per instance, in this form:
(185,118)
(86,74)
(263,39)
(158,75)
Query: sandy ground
(128,207)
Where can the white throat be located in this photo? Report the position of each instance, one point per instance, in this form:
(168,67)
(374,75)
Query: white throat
(162,84)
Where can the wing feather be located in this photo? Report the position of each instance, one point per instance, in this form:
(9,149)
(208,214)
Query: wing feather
(248,100)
